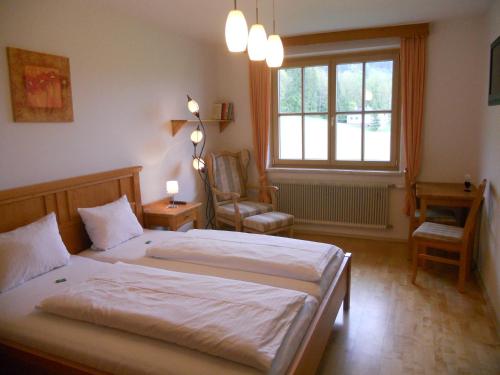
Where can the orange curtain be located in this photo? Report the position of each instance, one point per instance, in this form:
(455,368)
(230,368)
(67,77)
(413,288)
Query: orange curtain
(412,95)
(260,103)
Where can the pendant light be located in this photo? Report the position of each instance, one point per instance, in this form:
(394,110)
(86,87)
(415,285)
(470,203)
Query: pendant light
(236,30)
(275,52)
(257,39)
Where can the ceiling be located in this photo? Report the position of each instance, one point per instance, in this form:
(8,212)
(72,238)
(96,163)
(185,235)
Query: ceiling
(205,19)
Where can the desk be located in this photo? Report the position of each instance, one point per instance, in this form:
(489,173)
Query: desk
(443,194)
(158,214)
(448,195)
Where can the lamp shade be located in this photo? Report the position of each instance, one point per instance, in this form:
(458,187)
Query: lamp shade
(193,106)
(275,52)
(236,31)
(196,136)
(257,43)
(198,163)
(172,187)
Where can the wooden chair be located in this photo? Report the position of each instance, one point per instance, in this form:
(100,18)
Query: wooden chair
(433,214)
(227,173)
(448,238)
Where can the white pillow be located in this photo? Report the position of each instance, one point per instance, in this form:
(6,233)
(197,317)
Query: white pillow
(29,251)
(111,224)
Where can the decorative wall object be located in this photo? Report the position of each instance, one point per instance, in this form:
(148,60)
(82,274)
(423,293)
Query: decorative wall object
(40,87)
(494,87)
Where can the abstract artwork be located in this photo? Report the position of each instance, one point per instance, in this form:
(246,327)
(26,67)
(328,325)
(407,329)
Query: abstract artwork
(40,87)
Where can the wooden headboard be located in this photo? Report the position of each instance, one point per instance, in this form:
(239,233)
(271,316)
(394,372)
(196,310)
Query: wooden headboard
(23,205)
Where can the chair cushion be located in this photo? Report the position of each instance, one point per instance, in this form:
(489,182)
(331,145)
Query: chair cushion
(268,221)
(247,208)
(438,215)
(441,232)
(227,173)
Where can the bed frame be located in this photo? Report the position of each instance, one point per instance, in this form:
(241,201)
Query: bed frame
(23,205)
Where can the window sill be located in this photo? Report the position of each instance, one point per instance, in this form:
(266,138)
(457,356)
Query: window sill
(358,172)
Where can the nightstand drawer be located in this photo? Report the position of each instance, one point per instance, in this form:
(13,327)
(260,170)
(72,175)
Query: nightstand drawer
(185,218)
(159,214)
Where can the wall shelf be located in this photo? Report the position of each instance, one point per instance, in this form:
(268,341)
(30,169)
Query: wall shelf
(178,124)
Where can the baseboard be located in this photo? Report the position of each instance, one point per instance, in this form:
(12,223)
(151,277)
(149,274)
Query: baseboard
(489,305)
(347,235)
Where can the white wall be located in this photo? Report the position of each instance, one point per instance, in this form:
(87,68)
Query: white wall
(128,81)
(451,116)
(489,167)
(452,101)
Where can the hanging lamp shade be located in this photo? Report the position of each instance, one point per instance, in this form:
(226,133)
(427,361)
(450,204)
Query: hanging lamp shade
(236,31)
(275,52)
(257,43)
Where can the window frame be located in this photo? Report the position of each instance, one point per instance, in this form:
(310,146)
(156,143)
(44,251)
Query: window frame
(332,61)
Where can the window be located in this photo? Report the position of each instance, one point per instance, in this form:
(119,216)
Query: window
(337,112)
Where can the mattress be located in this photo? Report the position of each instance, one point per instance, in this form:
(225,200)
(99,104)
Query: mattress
(134,250)
(108,349)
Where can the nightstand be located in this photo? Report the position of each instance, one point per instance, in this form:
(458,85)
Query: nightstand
(157,214)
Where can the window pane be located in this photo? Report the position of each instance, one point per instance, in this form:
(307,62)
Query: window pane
(290,90)
(290,132)
(349,87)
(316,137)
(348,137)
(316,89)
(378,86)
(378,137)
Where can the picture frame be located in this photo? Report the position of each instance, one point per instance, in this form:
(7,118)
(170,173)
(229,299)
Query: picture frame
(494,84)
(40,86)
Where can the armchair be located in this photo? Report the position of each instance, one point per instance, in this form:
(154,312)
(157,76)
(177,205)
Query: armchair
(227,173)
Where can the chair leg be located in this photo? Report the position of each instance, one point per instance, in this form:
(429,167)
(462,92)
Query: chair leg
(415,261)
(462,270)
(410,246)
(411,229)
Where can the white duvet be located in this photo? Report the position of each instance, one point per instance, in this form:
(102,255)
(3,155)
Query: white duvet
(239,321)
(291,258)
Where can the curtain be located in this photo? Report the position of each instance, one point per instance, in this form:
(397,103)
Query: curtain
(260,104)
(412,99)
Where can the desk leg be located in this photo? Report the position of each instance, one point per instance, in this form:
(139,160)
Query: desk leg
(196,221)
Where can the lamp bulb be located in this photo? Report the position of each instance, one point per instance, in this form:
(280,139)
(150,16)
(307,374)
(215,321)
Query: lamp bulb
(196,136)
(193,106)
(198,164)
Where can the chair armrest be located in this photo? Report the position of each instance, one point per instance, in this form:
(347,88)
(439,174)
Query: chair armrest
(267,187)
(235,199)
(272,191)
(230,194)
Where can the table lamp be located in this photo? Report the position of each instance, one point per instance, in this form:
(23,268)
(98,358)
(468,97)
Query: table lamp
(172,188)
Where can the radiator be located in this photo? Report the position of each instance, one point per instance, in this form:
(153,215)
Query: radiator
(365,205)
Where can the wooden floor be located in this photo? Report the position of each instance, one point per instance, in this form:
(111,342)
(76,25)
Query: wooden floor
(394,327)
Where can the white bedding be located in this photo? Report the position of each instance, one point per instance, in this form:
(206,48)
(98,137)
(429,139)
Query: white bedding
(134,251)
(239,321)
(255,254)
(104,348)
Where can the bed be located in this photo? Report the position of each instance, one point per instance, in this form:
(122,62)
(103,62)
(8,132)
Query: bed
(134,251)
(23,205)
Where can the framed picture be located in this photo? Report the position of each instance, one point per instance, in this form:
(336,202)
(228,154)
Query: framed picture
(494,91)
(40,87)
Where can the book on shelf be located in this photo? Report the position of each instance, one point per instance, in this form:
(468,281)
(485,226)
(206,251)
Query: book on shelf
(217,111)
(222,111)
